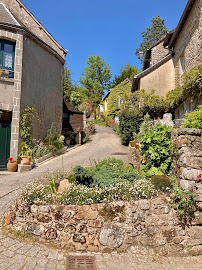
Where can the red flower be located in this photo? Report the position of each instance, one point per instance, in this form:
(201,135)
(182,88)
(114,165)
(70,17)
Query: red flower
(186,199)
(191,189)
(168,178)
(10,158)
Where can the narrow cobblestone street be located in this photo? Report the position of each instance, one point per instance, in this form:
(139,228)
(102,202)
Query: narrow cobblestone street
(18,254)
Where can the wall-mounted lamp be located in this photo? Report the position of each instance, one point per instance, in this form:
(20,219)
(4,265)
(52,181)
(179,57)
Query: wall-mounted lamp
(141,55)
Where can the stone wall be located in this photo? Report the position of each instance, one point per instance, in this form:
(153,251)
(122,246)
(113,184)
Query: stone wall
(188,45)
(187,154)
(158,52)
(142,226)
(10,88)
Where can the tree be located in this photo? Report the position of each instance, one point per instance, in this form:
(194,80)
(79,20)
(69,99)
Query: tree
(152,34)
(96,78)
(128,71)
(68,86)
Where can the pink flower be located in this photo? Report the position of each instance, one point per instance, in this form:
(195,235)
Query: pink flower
(186,199)
(191,189)
(168,178)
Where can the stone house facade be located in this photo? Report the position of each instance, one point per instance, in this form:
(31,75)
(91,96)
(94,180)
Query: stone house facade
(176,53)
(31,70)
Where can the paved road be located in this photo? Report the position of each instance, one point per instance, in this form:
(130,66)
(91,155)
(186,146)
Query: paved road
(21,255)
(105,143)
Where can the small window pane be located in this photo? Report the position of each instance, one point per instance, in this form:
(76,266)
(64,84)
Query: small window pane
(8,56)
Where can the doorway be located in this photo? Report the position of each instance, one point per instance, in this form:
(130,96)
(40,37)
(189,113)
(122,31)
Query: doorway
(5,138)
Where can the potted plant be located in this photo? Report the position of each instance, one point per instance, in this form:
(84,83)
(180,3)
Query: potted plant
(12,165)
(26,153)
(67,138)
(72,137)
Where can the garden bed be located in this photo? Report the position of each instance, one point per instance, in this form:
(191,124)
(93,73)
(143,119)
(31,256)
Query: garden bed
(109,207)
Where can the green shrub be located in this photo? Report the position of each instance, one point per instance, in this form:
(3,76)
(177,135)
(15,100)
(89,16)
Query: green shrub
(112,162)
(129,122)
(83,176)
(161,182)
(104,173)
(193,119)
(155,150)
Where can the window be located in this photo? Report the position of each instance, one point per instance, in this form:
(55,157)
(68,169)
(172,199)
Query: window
(120,101)
(106,107)
(65,116)
(7,56)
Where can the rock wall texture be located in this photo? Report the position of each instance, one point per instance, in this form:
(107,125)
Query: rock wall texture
(135,155)
(188,50)
(158,52)
(187,154)
(142,226)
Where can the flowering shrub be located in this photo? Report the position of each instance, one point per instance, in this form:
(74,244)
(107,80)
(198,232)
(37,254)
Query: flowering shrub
(184,201)
(86,107)
(11,160)
(89,130)
(198,179)
(80,195)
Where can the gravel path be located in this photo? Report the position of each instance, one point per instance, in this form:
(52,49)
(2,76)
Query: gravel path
(19,255)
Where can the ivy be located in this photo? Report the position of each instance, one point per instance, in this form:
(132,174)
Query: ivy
(26,125)
(120,91)
(190,88)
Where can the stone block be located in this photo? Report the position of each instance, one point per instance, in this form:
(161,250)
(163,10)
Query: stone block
(90,214)
(64,185)
(93,248)
(189,174)
(24,168)
(112,236)
(95,223)
(144,204)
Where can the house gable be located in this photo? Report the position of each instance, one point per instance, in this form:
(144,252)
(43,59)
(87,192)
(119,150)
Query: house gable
(27,20)
(6,16)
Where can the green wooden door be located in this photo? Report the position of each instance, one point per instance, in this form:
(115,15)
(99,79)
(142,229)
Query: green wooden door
(5,137)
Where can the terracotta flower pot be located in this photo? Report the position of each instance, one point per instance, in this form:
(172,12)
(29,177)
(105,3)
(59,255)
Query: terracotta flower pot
(12,166)
(67,142)
(26,160)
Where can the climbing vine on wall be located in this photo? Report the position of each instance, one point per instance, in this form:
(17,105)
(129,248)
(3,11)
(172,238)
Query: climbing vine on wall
(26,124)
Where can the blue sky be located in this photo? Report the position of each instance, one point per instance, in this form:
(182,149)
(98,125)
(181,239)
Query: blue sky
(110,28)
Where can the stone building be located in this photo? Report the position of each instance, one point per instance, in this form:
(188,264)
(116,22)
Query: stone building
(176,53)
(31,69)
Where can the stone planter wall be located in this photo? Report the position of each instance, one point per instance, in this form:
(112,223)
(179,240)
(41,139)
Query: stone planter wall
(135,154)
(142,226)
(187,154)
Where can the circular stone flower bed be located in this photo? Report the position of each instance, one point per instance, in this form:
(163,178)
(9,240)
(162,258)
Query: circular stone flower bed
(143,226)
(109,207)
